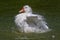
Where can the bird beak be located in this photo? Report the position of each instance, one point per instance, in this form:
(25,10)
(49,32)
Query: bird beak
(22,10)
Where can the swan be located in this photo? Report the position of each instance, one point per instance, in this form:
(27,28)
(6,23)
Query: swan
(28,22)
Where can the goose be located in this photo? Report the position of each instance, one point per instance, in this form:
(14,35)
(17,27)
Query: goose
(28,22)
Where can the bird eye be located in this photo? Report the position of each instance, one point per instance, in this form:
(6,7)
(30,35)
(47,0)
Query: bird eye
(25,7)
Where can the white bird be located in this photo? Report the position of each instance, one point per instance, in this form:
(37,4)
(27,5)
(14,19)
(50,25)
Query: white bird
(28,22)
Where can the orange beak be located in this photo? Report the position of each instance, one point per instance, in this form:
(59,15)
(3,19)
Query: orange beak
(22,10)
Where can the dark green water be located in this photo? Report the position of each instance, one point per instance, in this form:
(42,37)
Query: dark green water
(50,9)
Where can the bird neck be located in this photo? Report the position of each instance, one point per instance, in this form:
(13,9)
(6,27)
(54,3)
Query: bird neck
(28,12)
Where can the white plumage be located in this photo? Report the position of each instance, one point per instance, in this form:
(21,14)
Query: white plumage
(27,22)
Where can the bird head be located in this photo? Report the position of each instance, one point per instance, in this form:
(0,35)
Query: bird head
(26,9)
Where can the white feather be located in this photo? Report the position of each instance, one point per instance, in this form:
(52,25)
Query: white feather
(28,22)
